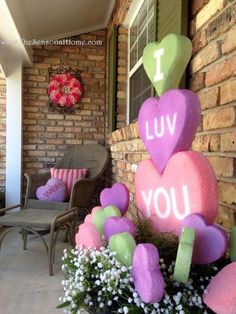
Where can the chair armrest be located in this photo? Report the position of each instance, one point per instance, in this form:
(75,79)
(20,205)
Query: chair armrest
(82,192)
(4,210)
(65,216)
(33,182)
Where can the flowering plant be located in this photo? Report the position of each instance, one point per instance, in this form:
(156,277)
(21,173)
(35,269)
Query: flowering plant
(65,90)
(95,280)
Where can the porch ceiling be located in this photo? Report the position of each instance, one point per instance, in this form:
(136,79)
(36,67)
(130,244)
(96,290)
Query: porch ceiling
(43,19)
(60,18)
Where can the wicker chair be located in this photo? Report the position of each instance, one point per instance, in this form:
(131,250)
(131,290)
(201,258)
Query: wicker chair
(40,217)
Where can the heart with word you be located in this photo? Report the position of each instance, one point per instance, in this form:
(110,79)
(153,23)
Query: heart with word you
(188,185)
(168,124)
(166,61)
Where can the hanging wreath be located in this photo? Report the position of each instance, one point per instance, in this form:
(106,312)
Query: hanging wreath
(64,90)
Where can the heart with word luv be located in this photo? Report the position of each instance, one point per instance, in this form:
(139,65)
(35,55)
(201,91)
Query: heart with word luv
(168,124)
(165,62)
(188,185)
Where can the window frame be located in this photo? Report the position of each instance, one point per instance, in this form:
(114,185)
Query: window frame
(138,5)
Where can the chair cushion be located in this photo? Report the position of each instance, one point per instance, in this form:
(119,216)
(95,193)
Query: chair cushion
(69,176)
(53,190)
(30,218)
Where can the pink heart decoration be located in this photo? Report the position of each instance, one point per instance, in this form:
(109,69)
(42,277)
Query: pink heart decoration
(188,185)
(220,295)
(211,241)
(148,279)
(117,195)
(168,124)
(88,236)
(115,225)
(54,190)
(89,217)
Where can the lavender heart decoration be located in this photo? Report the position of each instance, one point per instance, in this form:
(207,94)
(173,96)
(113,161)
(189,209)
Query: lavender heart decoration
(148,279)
(117,195)
(115,225)
(168,124)
(211,241)
(53,190)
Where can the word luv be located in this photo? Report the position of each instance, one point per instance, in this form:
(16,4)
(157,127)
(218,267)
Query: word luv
(164,201)
(158,129)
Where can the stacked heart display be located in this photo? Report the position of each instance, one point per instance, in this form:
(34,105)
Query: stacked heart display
(179,192)
(176,189)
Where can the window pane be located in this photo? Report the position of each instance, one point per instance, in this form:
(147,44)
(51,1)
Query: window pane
(142,41)
(140,89)
(133,56)
(151,30)
(142,31)
(151,6)
(142,18)
(133,33)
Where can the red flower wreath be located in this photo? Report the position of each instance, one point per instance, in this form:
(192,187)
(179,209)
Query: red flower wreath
(65,90)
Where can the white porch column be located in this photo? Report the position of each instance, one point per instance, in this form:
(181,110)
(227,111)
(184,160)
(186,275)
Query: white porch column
(13,132)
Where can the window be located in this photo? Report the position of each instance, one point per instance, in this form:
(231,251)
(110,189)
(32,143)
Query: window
(153,20)
(141,31)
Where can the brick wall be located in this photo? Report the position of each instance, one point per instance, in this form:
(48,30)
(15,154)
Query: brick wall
(212,69)
(2,130)
(47,136)
(213,78)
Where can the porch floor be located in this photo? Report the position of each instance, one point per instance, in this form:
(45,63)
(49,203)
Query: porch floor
(25,287)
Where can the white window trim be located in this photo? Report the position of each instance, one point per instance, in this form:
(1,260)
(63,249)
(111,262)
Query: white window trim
(132,14)
(136,6)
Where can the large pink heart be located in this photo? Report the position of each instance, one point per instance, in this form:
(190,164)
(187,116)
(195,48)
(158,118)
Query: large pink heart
(211,241)
(188,185)
(168,124)
(117,195)
(220,294)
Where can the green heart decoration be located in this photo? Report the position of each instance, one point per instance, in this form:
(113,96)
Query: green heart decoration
(165,61)
(124,245)
(100,216)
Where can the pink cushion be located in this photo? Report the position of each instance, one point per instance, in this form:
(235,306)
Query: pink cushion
(54,190)
(69,176)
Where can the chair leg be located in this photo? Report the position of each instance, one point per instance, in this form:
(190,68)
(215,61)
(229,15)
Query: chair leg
(51,249)
(24,238)
(4,233)
(69,232)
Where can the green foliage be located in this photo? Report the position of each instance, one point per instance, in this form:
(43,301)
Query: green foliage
(166,243)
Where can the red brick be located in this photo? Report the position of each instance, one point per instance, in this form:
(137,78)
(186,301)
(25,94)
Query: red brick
(228,92)
(197,81)
(224,167)
(199,41)
(221,118)
(197,5)
(228,142)
(206,56)
(207,143)
(227,192)
(209,98)
(221,71)
(229,42)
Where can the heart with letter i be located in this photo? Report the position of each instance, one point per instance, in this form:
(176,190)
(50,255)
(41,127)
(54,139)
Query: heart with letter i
(165,62)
